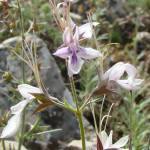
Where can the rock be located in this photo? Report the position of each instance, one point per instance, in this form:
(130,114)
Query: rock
(142,41)
(77,145)
(55,117)
(11,145)
(115,9)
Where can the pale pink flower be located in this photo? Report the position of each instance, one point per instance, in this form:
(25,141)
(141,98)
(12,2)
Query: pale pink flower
(73,52)
(116,72)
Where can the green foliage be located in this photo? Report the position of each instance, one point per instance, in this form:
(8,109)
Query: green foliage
(37,15)
(140,3)
(139,127)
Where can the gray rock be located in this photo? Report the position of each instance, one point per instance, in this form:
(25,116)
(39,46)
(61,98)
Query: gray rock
(50,74)
(116,8)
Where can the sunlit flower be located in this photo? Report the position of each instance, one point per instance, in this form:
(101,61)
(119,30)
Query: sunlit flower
(107,144)
(75,53)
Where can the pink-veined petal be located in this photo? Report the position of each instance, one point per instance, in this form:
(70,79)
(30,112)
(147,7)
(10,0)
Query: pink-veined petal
(18,108)
(62,52)
(74,68)
(26,89)
(121,142)
(12,127)
(88,53)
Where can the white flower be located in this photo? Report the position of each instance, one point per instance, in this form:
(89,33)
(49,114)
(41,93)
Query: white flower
(107,141)
(13,126)
(14,123)
(117,71)
(27,90)
(18,108)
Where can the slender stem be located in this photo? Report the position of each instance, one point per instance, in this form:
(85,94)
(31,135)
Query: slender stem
(3,144)
(82,132)
(101,113)
(78,113)
(73,89)
(131,120)
(23,71)
(22,35)
(22,130)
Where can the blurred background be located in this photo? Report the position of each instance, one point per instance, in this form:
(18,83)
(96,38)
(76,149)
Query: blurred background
(123,34)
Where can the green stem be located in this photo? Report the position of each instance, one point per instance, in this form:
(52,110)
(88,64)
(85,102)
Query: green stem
(78,113)
(23,71)
(21,138)
(82,132)
(23,38)
(131,120)
(74,94)
(3,144)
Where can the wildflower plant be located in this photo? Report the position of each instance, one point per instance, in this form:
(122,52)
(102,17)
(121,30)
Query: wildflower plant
(120,76)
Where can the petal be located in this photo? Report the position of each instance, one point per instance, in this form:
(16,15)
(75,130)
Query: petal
(103,137)
(131,70)
(76,35)
(108,142)
(67,36)
(74,68)
(62,52)
(88,53)
(26,89)
(125,84)
(130,84)
(138,82)
(85,31)
(120,143)
(18,108)
(115,72)
(12,126)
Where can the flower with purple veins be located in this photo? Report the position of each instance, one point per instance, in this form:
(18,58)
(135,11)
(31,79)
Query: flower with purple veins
(73,52)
